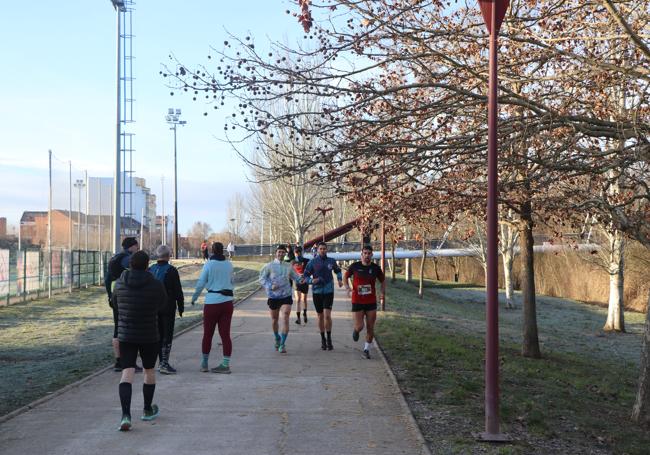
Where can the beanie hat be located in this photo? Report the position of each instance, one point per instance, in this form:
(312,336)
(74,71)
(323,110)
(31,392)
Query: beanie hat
(128,242)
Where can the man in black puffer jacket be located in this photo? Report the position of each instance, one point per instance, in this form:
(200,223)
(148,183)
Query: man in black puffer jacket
(138,297)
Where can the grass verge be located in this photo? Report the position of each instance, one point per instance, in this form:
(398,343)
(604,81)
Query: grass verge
(569,402)
(47,344)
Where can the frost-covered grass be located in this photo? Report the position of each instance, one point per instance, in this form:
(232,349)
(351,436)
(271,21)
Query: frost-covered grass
(577,399)
(46,344)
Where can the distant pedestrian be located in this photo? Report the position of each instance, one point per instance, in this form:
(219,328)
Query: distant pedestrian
(216,276)
(276,278)
(302,289)
(364,274)
(204,250)
(116,265)
(139,298)
(230,249)
(319,273)
(168,275)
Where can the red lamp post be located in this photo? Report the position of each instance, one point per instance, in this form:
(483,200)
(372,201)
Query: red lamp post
(493,12)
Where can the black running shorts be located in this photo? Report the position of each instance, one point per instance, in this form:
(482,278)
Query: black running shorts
(275,304)
(364,307)
(148,354)
(323,301)
(302,288)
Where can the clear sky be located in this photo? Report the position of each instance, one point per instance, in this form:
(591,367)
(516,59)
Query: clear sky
(57,87)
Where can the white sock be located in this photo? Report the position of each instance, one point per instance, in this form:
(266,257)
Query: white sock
(366,347)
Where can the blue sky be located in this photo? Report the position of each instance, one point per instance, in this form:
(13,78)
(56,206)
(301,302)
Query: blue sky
(57,89)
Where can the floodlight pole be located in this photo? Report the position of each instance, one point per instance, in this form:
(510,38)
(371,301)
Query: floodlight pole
(493,13)
(117,190)
(173,119)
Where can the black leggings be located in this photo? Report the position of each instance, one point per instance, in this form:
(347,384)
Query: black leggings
(166,329)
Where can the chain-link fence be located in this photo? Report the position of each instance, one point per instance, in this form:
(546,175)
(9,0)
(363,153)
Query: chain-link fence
(32,273)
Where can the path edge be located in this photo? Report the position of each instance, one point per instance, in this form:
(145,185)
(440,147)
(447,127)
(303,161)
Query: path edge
(403,402)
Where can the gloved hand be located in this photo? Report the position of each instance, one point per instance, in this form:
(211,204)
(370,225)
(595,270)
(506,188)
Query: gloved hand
(181,308)
(110,301)
(193,302)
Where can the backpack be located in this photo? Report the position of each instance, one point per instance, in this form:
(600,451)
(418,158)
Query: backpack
(160,271)
(115,267)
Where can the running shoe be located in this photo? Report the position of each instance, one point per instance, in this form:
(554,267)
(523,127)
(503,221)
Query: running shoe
(221,368)
(282,349)
(150,414)
(298,321)
(355,335)
(329,345)
(323,345)
(277,343)
(125,424)
(366,353)
(204,366)
(166,368)
(117,366)
(304,317)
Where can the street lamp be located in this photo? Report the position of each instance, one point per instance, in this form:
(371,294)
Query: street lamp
(79,184)
(232,226)
(493,12)
(173,118)
(323,212)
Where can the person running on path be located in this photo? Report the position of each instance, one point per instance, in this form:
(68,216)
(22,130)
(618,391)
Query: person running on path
(275,278)
(216,277)
(319,274)
(302,289)
(204,250)
(139,298)
(231,250)
(364,274)
(167,274)
(116,265)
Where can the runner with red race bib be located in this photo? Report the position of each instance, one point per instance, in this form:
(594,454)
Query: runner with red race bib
(364,274)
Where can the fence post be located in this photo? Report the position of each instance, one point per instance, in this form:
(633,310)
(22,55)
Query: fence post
(24,275)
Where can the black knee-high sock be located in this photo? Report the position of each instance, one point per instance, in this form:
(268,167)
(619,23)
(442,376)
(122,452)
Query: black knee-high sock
(125,398)
(298,314)
(147,393)
(322,336)
(329,336)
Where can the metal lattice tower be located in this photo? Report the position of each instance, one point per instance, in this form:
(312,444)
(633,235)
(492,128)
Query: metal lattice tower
(126,117)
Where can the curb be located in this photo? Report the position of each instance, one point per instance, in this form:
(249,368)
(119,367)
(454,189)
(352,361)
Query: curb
(403,402)
(64,389)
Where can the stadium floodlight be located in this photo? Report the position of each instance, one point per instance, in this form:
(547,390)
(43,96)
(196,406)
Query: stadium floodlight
(172,118)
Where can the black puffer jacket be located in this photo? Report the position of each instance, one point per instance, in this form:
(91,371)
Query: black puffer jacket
(139,298)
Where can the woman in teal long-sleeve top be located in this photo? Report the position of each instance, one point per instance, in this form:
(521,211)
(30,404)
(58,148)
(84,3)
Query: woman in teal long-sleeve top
(216,277)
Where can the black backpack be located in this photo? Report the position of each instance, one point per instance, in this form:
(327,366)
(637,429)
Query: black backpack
(115,267)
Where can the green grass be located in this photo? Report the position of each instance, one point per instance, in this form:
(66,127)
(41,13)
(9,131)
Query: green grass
(47,344)
(571,401)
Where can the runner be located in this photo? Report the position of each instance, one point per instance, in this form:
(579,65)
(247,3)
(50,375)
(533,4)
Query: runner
(319,273)
(216,276)
(275,277)
(364,298)
(302,289)
(204,251)
(167,274)
(139,297)
(118,264)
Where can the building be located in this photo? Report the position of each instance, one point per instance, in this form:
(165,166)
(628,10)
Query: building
(33,230)
(3,227)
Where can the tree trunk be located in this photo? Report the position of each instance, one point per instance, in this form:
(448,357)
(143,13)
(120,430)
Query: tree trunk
(392,261)
(435,268)
(530,347)
(615,316)
(424,256)
(408,271)
(641,410)
(507,277)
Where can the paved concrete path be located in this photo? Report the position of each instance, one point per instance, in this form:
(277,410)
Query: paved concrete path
(308,401)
